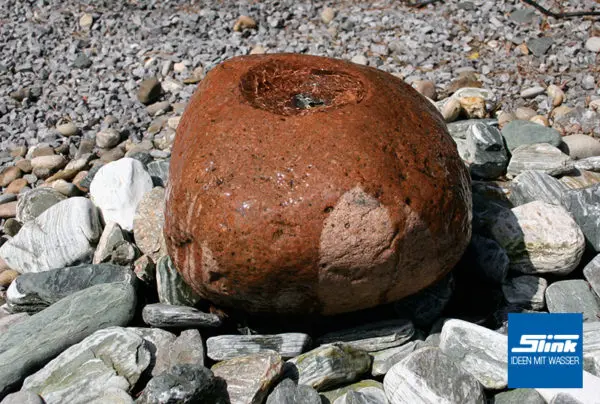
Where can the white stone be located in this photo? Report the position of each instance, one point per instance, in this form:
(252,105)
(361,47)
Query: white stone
(359,60)
(118,188)
(327,15)
(588,394)
(64,234)
(580,146)
(539,238)
(593,44)
(107,138)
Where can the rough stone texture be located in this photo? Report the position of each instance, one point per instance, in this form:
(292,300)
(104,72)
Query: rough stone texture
(526,291)
(313,219)
(249,378)
(368,395)
(580,146)
(172,288)
(578,120)
(10,320)
(63,235)
(583,205)
(374,336)
(540,157)
(485,152)
(478,350)
(519,396)
(539,238)
(148,223)
(187,349)
(170,315)
(329,365)
(22,397)
(333,395)
(288,392)
(113,358)
(532,186)
(591,347)
(118,188)
(159,171)
(587,394)
(61,325)
(287,345)
(591,272)
(573,296)
(111,237)
(159,342)
(429,376)
(33,292)
(32,203)
(460,129)
(518,133)
(384,360)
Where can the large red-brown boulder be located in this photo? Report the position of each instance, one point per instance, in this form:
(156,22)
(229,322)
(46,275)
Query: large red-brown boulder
(302,184)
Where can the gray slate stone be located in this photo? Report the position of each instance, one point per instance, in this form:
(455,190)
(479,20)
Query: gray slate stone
(60,326)
(519,396)
(148,223)
(113,358)
(373,336)
(10,320)
(525,291)
(187,349)
(63,235)
(22,397)
(168,315)
(172,288)
(429,376)
(249,378)
(532,186)
(159,343)
(288,345)
(329,365)
(518,133)
(35,291)
(159,171)
(485,153)
(111,237)
(460,129)
(591,347)
(384,360)
(333,395)
(368,395)
(32,203)
(583,205)
(591,272)
(538,157)
(573,296)
(288,392)
(539,46)
(478,350)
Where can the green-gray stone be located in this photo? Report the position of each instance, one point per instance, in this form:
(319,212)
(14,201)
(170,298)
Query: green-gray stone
(172,288)
(518,133)
(334,394)
(519,396)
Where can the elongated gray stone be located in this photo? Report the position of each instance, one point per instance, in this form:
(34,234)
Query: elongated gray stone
(478,350)
(591,347)
(368,395)
(532,186)
(288,345)
(525,291)
(63,235)
(485,152)
(591,272)
(288,392)
(519,396)
(113,358)
(61,325)
(518,133)
(334,394)
(539,238)
(33,203)
(168,315)
(460,129)
(329,365)
(249,378)
(35,291)
(573,296)
(429,376)
(384,360)
(374,336)
(10,320)
(583,205)
(537,157)
(172,289)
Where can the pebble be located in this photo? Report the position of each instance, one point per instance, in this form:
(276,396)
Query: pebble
(451,110)
(86,20)
(540,46)
(288,345)
(7,276)
(112,235)
(591,347)
(8,210)
(374,336)
(532,92)
(148,223)
(556,94)
(426,88)
(17,186)
(473,107)
(552,241)
(359,60)
(288,392)
(525,113)
(578,120)
(158,108)
(63,235)
(50,163)
(159,171)
(540,120)
(249,378)
(24,165)
(580,146)
(149,91)
(530,186)
(329,366)
(583,206)
(538,157)
(429,376)
(368,395)
(573,296)
(60,326)
(66,127)
(107,138)
(518,133)
(161,343)
(525,291)
(175,316)
(244,22)
(118,188)
(9,175)
(327,15)
(172,288)
(593,44)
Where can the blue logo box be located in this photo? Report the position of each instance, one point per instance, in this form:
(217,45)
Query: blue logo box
(545,350)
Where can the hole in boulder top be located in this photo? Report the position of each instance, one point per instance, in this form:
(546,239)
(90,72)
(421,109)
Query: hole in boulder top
(297,89)
(328,209)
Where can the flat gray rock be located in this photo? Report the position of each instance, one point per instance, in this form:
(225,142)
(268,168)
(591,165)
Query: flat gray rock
(63,235)
(485,153)
(539,238)
(532,186)
(460,129)
(526,291)
(168,315)
(519,396)
(573,296)
(429,376)
(159,171)
(591,272)
(288,345)
(31,204)
(518,133)
(10,320)
(172,288)
(373,336)
(329,365)
(288,392)
(249,378)
(478,350)
(113,358)
(583,205)
(537,157)
(384,360)
(60,326)
(539,46)
(33,292)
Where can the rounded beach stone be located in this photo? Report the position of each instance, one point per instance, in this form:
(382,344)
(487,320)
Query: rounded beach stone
(296,177)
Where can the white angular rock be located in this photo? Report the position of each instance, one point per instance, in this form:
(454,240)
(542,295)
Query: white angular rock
(118,188)
(478,350)
(63,235)
(539,238)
